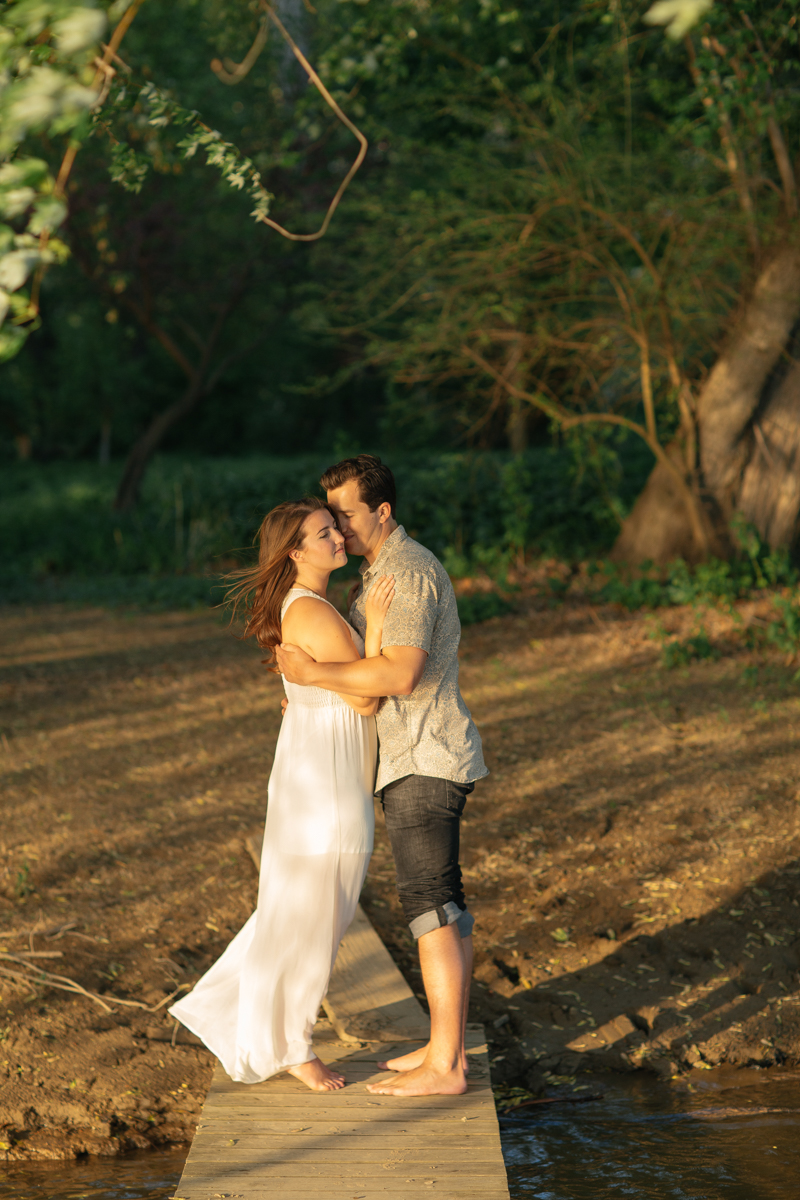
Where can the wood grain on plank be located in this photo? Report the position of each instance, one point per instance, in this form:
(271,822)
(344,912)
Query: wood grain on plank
(277,1139)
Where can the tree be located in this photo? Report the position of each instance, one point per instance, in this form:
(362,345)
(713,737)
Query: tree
(182,288)
(583,220)
(745,434)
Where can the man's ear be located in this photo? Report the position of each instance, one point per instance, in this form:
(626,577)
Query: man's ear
(384,512)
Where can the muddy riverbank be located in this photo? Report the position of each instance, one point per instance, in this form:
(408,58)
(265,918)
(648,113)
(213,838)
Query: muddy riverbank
(632,859)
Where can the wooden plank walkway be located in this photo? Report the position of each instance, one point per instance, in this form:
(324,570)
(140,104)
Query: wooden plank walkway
(278,1140)
(368,998)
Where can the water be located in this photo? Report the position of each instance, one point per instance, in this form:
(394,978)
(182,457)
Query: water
(716,1135)
(146,1176)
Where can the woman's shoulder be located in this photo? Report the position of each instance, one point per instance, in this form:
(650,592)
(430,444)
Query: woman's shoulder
(315,623)
(306,606)
(301,600)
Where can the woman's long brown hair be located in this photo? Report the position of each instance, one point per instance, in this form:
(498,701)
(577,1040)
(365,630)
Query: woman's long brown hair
(262,589)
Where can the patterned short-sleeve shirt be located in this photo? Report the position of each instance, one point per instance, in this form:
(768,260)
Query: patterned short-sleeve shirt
(431,731)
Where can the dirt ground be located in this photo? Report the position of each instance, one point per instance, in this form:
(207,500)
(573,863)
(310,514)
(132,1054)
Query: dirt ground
(632,859)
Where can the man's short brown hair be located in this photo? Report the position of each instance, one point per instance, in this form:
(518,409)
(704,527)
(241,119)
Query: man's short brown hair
(376,484)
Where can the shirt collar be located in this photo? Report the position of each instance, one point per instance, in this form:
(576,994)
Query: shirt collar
(393,541)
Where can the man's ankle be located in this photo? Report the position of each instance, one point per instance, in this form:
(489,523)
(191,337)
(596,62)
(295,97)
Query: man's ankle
(444,1064)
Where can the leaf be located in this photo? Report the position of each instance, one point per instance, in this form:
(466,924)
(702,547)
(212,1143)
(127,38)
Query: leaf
(679,16)
(128,168)
(559,935)
(48,214)
(15,268)
(23,172)
(12,339)
(80,29)
(16,200)
(45,98)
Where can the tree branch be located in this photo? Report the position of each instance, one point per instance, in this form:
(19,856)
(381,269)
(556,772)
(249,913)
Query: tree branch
(567,420)
(784,165)
(329,100)
(237,71)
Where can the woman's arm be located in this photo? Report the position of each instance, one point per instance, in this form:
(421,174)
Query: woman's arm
(318,629)
(376,607)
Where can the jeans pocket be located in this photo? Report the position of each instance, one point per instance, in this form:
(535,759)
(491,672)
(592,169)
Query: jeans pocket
(456,796)
(403,804)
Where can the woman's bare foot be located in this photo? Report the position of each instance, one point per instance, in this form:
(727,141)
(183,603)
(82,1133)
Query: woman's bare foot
(424,1081)
(317,1076)
(410,1062)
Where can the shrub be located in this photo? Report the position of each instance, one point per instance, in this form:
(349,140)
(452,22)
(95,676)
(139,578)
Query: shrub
(474,510)
(480,606)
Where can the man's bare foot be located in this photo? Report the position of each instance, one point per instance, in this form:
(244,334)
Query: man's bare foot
(317,1076)
(424,1081)
(410,1062)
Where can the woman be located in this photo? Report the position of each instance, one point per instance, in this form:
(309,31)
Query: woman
(256,1007)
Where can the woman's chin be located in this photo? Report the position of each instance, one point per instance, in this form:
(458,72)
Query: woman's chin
(340,561)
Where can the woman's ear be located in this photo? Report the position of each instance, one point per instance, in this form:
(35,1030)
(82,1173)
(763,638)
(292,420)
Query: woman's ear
(295,556)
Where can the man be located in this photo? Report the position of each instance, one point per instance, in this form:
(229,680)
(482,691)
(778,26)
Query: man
(429,753)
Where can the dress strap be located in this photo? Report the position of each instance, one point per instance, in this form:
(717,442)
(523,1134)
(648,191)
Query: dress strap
(295,593)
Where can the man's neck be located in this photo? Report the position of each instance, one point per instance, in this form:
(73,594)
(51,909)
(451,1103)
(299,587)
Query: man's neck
(386,532)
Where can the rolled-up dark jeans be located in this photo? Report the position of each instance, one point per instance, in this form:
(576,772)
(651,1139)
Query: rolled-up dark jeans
(423,818)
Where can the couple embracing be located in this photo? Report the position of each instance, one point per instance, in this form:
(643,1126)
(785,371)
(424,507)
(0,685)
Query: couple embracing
(380,691)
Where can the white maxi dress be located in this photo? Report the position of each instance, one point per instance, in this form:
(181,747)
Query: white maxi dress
(255,1008)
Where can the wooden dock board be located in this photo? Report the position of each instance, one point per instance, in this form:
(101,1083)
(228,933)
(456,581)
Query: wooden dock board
(367,997)
(277,1140)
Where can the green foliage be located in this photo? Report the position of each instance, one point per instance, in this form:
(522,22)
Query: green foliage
(784,631)
(551,209)
(481,606)
(46,47)
(678,16)
(633,591)
(715,584)
(45,52)
(23,886)
(50,86)
(546,202)
(712,582)
(159,110)
(745,71)
(58,530)
(679,652)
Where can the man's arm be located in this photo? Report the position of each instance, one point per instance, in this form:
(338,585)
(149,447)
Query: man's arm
(395,672)
(324,637)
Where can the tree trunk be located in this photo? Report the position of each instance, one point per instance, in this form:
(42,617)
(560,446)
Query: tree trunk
(748,461)
(657,528)
(144,449)
(200,383)
(735,385)
(770,497)
(517,426)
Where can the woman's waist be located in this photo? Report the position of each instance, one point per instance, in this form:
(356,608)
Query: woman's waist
(312,697)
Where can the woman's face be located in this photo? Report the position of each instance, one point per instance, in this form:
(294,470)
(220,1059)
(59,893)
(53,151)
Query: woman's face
(322,547)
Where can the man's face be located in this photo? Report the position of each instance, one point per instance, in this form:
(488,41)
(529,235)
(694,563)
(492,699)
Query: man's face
(362,529)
